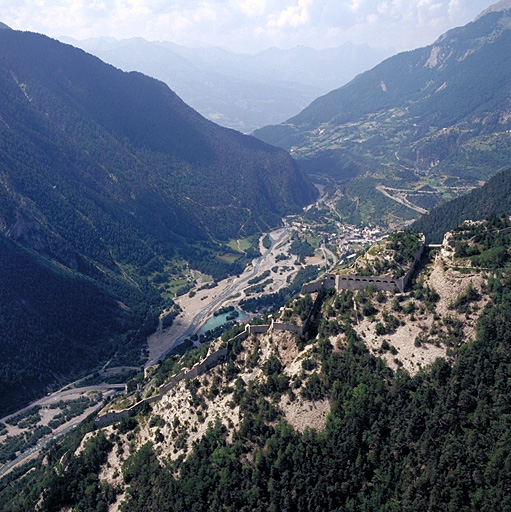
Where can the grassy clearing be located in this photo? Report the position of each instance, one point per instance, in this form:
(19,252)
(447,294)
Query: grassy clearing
(244,244)
(229,257)
(175,284)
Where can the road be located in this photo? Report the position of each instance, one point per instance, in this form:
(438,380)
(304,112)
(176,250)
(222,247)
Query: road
(327,253)
(45,441)
(401,200)
(65,394)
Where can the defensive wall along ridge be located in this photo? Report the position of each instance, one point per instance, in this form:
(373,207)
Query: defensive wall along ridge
(201,368)
(329,281)
(358,282)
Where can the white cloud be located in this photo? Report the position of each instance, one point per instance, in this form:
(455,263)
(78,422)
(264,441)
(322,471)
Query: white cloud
(292,16)
(250,8)
(204,14)
(247,24)
(355,4)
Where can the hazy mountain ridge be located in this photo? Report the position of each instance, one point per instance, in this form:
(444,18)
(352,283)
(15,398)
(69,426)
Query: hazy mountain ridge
(239,91)
(499,6)
(417,118)
(414,80)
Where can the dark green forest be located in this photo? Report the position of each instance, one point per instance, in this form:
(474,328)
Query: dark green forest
(437,441)
(108,181)
(58,322)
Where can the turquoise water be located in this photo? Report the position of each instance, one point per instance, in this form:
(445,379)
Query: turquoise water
(217,321)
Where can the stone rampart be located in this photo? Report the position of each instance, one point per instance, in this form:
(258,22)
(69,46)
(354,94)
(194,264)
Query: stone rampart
(208,363)
(172,382)
(113,416)
(277,326)
(242,336)
(407,277)
(258,329)
(325,283)
(358,282)
(196,371)
(201,368)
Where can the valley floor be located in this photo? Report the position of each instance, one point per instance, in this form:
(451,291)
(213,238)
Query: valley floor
(197,309)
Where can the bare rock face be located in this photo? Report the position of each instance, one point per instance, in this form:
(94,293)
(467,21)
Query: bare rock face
(29,232)
(503,5)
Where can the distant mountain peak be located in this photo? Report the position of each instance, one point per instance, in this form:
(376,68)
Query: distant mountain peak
(3,26)
(503,5)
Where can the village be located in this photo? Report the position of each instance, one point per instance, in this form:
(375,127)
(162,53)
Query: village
(346,242)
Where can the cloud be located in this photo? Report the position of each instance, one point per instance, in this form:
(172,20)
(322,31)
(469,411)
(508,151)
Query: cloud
(292,16)
(355,5)
(247,25)
(250,8)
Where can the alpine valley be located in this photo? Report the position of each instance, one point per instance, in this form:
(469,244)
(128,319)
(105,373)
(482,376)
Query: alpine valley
(239,91)
(108,183)
(375,379)
(421,127)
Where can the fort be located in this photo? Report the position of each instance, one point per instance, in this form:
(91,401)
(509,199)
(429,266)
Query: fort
(359,282)
(329,281)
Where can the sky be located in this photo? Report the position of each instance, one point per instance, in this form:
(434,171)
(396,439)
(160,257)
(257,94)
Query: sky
(247,25)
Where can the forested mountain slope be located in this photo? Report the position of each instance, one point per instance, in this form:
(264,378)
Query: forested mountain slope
(326,421)
(56,323)
(127,136)
(110,175)
(438,116)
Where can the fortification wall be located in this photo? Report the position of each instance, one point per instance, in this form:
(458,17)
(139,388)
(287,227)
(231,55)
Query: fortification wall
(407,277)
(208,363)
(356,282)
(201,368)
(325,283)
(242,336)
(258,329)
(113,416)
(288,327)
(196,371)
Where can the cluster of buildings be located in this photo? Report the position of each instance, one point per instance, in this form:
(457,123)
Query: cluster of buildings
(348,242)
(352,239)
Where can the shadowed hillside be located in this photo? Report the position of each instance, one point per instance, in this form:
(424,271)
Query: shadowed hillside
(110,175)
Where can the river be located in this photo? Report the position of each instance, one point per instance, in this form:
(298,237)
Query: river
(234,285)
